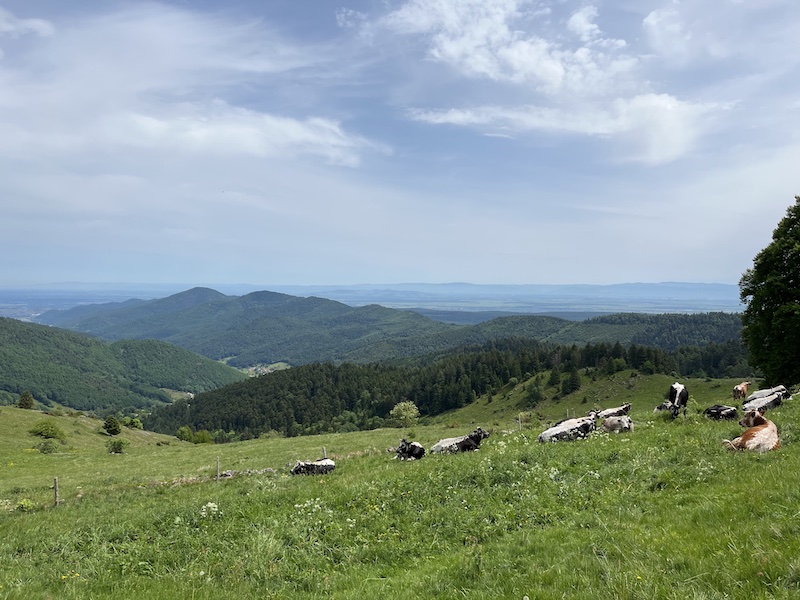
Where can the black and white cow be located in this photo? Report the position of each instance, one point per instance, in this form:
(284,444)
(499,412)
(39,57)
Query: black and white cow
(410,450)
(677,399)
(617,411)
(721,411)
(322,466)
(765,399)
(570,429)
(463,443)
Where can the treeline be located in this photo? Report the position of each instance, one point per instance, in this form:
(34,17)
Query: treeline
(324,397)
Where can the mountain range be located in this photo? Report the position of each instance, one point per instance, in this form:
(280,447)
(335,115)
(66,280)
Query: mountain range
(265,327)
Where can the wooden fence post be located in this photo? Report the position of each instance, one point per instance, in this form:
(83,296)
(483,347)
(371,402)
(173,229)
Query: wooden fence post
(324,453)
(55,491)
(217,467)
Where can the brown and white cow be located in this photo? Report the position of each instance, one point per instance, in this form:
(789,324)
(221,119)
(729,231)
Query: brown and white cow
(740,391)
(761,434)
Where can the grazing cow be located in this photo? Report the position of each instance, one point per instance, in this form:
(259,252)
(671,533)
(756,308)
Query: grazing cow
(463,443)
(617,423)
(322,466)
(569,429)
(761,434)
(721,411)
(617,411)
(676,401)
(410,450)
(740,391)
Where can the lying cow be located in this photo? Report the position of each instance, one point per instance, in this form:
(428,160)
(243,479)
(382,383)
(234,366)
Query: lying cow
(740,391)
(322,466)
(677,399)
(617,411)
(766,398)
(617,424)
(721,411)
(463,443)
(778,389)
(763,403)
(761,435)
(410,450)
(569,429)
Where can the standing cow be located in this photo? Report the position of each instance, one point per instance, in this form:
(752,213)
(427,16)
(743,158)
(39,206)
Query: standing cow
(740,391)
(677,399)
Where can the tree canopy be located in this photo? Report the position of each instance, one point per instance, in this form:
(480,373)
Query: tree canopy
(771,291)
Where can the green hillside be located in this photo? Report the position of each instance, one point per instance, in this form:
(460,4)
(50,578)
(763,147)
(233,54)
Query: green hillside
(664,511)
(83,373)
(267,327)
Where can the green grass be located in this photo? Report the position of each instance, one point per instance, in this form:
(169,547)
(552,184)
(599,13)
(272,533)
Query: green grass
(662,512)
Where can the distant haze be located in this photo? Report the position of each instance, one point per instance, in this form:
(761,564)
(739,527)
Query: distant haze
(536,299)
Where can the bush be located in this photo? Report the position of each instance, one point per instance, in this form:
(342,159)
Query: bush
(116,446)
(47,447)
(48,430)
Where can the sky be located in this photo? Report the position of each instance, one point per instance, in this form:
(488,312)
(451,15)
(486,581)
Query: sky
(343,142)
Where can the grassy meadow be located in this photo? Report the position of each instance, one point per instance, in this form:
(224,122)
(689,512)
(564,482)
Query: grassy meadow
(662,512)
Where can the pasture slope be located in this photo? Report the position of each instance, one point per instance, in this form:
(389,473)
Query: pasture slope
(662,512)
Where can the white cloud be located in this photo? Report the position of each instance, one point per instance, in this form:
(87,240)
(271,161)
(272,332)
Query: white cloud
(133,92)
(652,128)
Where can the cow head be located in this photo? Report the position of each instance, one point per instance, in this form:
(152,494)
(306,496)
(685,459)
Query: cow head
(752,418)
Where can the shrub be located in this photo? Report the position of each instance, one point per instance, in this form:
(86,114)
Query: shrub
(24,505)
(203,437)
(116,446)
(184,433)
(47,447)
(48,430)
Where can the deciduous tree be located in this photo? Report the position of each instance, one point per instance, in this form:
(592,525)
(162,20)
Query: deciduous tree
(771,291)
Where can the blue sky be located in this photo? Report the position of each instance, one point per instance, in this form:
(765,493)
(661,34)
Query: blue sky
(388,141)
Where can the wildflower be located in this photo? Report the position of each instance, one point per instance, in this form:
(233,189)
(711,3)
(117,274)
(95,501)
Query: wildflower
(210,510)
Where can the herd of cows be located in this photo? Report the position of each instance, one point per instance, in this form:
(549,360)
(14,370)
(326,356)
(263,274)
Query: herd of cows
(760,435)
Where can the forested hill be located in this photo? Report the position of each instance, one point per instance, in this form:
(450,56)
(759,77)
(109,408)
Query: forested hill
(267,327)
(84,373)
(324,397)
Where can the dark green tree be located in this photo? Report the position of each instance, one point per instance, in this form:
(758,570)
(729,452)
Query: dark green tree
(25,400)
(771,291)
(112,426)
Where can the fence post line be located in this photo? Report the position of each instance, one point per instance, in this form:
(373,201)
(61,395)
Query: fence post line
(55,491)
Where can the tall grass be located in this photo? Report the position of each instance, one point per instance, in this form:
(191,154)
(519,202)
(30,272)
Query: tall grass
(662,512)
